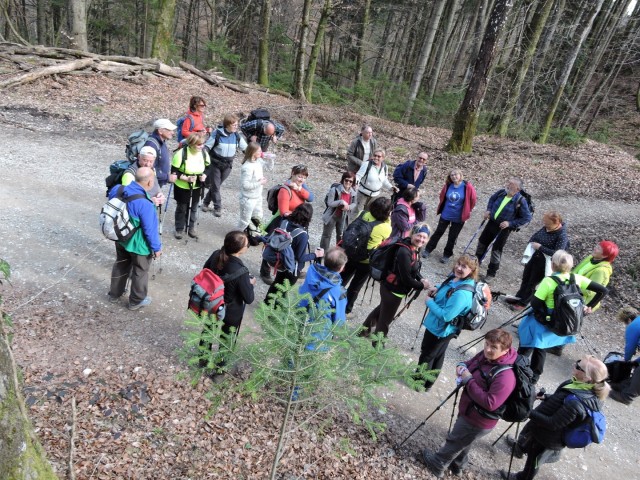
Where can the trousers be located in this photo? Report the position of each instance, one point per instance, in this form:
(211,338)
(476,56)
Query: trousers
(130,265)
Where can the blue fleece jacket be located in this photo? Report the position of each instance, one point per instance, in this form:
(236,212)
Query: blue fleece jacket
(319,278)
(516,212)
(444,308)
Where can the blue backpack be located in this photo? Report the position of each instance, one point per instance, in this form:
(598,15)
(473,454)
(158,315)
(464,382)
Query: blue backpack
(589,431)
(179,124)
(278,252)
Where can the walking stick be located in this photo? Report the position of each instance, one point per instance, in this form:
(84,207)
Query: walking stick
(503,434)
(453,409)
(408,303)
(189,210)
(426,311)
(475,341)
(489,248)
(166,207)
(513,450)
(454,392)
(474,237)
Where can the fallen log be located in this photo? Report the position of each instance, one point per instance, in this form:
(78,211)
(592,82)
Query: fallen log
(209,79)
(43,72)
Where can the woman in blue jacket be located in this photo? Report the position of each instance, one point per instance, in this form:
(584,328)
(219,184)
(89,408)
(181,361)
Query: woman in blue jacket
(446,302)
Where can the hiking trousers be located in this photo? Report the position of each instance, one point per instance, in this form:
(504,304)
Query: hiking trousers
(455,451)
(336,223)
(454,230)
(181,196)
(432,352)
(218,175)
(249,208)
(130,265)
(491,231)
(358,273)
(382,316)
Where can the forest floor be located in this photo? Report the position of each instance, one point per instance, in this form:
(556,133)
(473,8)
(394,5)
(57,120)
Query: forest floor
(138,415)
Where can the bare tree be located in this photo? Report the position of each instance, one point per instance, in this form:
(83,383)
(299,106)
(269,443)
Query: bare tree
(78,23)
(163,37)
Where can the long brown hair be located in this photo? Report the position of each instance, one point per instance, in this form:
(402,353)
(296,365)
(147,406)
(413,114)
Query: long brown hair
(234,241)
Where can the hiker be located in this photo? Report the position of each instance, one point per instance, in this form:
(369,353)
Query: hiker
(411,173)
(262,131)
(361,149)
(544,243)
(542,439)
(356,272)
(324,284)
(252,180)
(626,391)
(134,257)
(238,285)
(408,211)
(163,130)
(341,200)
(194,119)
(222,145)
(400,280)
(146,158)
(457,200)
(479,401)
(292,194)
(445,303)
(371,179)
(296,224)
(187,169)
(535,335)
(507,210)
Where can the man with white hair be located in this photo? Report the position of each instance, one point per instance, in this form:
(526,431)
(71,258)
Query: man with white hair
(146,158)
(163,130)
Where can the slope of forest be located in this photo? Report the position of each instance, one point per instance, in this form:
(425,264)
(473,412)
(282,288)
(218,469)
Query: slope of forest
(138,417)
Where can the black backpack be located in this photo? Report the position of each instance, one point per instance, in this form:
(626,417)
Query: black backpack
(568,310)
(116,171)
(356,238)
(519,404)
(382,259)
(259,114)
(529,199)
(326,197)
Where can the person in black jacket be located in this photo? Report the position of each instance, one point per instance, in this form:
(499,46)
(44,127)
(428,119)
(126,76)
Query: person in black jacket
(238,284)
(541,439)
(401,278)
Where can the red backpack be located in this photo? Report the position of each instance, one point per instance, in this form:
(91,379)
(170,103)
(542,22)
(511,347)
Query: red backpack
(207,292)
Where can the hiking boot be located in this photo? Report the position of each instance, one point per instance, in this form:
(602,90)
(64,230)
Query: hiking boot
(193,233)
(113,299)
(455,470)
(511,441)
(429,461)
(489,277)
(138,306)
(217,212)
(205,208)
(620,397)
(178,234)
(266,279)
(444,259)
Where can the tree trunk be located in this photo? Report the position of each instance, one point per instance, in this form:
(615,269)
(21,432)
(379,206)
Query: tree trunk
(530,42)
(315,49)
(466,119)
(41,21)
(421,65)
(384,42)
(163,37)
(442,49)
(263,44)
(298,73)
(78,21)
(566,71)
(361,41)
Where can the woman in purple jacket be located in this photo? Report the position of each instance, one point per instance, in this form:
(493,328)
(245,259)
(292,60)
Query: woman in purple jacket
(478,402)
(457,200)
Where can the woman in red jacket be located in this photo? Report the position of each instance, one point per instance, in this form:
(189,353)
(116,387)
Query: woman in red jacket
(194,118)
(457,200)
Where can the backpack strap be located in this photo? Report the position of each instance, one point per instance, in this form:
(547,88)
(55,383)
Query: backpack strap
(321,294)
(235,275)
(465,287)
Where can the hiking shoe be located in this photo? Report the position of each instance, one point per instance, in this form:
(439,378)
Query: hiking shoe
(205,208)
(511,441)
(193,233)
(455,470)
(620,397)
(444,259)
(138,306)
(429,461)
(217,212)
(425,254)
(511,299)
(489,276)
(178,234)
(266,279)
(113,299)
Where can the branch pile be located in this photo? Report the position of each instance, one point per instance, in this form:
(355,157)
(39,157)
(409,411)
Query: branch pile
(36,62)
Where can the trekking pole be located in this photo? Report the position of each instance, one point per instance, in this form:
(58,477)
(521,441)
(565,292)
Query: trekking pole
(407,304)
(474,237)
(453,409)
(513,450)
(154,268)
(426,311)
(454,392)
(503,434)
(159,219)
(513,319)
(592,350)
(488,248)
(189,210)
(166,207)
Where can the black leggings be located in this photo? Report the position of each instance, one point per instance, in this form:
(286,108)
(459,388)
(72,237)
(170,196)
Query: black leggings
(432,352)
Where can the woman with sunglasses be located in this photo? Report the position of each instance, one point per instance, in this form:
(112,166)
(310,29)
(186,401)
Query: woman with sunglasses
(187,172)
(340,200)
(194,118)
(535,335)
(542,438)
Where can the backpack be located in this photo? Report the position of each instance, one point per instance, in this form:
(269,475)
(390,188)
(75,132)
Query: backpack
(568,310)
(619,370)
(356,238)
(278,252)
(590,430)
(179,124)
(519,404)
(476,317)
(207,292)
(259,114)
(272,196)
(115,222)
(116,171)
(135,142)
(326,197)
(382,259)
(529,199)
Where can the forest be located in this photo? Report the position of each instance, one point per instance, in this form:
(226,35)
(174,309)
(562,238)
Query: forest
(546,70)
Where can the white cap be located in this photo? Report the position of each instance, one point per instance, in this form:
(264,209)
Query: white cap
(163,123)
(147,150)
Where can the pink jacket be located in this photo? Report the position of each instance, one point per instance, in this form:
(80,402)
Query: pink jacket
(470,199)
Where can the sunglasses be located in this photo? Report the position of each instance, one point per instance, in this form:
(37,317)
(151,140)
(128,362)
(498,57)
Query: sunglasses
(578,367)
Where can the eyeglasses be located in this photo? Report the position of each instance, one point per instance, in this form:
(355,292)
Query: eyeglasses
(347,180)
(378,156)
(578,367)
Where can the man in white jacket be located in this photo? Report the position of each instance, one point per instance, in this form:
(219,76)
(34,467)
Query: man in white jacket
(371,179)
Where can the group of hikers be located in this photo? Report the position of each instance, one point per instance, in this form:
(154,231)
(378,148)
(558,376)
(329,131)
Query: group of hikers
(384,237)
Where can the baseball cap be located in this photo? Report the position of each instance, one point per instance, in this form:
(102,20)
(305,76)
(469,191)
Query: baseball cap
(163,123)
(147,150)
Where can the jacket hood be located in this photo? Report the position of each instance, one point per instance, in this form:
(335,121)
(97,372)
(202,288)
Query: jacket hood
(508,358)
(320,277)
